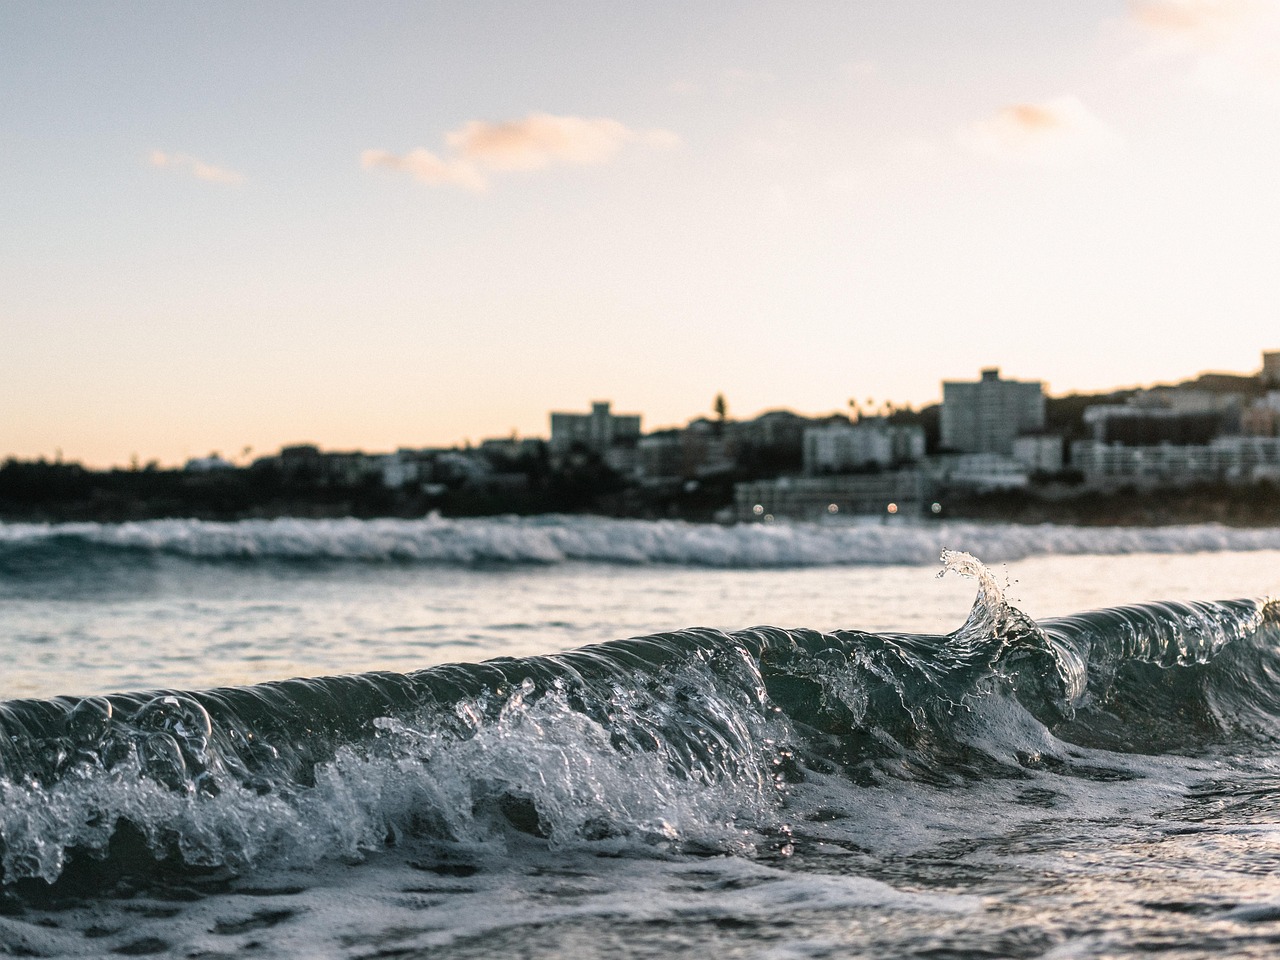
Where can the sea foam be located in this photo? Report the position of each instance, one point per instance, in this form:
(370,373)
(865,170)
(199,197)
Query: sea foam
(561,539)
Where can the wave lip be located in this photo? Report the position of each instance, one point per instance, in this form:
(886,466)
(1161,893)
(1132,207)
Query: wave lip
(560,539)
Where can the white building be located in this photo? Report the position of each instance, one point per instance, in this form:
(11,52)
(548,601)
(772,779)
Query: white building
(985,416)
(980,472)
(841,447)
(400,469)
(1225,459)
(1039,453)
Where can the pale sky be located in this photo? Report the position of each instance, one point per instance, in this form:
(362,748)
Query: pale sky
(372,225)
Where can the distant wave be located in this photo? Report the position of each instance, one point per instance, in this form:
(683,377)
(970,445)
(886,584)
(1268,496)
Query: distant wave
(560,539)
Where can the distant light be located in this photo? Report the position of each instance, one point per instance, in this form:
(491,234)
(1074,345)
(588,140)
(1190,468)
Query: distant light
(833,508)
(768,518)
(758,509)
(892,508)
(936,507)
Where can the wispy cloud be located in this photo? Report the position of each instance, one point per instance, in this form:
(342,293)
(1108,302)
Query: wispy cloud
(195,167)
(425,166)
(479,148)
(1230,45)
(1196,21)
(1057,132)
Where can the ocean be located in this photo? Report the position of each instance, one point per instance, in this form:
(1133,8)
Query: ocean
(580,737)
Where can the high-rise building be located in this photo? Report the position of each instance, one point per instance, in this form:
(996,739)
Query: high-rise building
(985,416)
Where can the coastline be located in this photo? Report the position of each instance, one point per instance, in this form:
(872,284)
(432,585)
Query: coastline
(123,497)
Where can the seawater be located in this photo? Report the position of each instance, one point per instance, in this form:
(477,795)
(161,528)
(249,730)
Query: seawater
(434,738)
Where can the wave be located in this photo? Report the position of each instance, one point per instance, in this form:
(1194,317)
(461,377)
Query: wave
(697,738)
(560,539)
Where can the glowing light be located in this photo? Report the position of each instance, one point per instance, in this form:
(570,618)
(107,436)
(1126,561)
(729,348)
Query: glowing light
(936,507)
(833,508)
(758,509)
(892,508)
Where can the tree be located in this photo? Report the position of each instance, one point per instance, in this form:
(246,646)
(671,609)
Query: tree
(721,407)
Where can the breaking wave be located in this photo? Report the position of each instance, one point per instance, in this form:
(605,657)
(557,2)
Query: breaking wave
(559,539)
(693,740)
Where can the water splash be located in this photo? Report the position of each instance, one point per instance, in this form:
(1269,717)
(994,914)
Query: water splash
(990,611)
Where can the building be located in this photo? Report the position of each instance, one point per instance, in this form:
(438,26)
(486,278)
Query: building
(659,456)
(400,469)
(706,449)
(1225,459)
(596,431)
(1039,452)
(307,463)
(1146,426)
(987,415)
(979,473)
(408,467)
(300,459)
(1270,374)
(210,464)
(841,447)
(1163,415)
(1262,417)
(511,448)
(781,429)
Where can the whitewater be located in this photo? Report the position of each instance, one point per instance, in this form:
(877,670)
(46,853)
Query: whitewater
(568,736)
(558,539)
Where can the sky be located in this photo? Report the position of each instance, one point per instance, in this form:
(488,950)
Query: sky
(229,227)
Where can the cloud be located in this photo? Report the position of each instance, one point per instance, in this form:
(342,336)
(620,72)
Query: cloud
(425,166)
(480,147)
(1058,132)
(1195,21)
(196,167)
(1229,45)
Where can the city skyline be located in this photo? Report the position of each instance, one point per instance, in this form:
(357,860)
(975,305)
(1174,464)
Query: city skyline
(856,409)
(255,225)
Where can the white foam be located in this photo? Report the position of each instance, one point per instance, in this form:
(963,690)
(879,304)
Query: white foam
(559,539)
(412,779)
